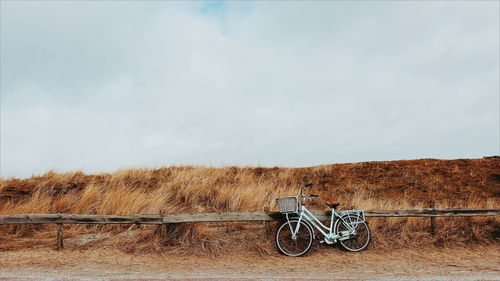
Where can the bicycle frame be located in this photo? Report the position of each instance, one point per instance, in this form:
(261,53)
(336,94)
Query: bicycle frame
(328,232)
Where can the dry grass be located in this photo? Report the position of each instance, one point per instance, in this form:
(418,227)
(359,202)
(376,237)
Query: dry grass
(370,185)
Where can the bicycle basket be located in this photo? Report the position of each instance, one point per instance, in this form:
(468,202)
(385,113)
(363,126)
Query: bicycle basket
(287,204)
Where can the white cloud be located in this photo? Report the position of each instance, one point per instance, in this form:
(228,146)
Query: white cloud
(98,86)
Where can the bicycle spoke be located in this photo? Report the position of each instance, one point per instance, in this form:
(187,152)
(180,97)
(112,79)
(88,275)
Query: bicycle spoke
(297,246)
(357,242)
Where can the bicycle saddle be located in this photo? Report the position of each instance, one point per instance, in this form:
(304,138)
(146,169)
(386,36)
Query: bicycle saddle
(333,205)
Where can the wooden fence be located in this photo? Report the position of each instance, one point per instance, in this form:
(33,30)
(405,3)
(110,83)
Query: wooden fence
(225,217)
(169,219)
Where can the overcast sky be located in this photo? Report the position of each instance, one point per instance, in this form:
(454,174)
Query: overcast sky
(98,86)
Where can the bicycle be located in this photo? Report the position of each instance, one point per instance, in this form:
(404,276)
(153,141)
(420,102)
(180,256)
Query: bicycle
(295,236)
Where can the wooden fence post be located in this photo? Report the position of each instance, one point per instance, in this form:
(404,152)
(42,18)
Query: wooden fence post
(433,219)
(471,231)
(162,226)
(168,228)
(267,224)
(60,244)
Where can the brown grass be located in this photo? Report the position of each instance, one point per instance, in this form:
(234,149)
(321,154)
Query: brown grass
(461,183)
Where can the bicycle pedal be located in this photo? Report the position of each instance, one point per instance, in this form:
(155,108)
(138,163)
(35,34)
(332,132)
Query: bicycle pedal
(322,241)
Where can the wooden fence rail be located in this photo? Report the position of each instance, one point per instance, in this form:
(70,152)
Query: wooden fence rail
(170,219)
(225,217)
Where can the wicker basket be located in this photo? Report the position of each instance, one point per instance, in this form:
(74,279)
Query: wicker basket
(287,204)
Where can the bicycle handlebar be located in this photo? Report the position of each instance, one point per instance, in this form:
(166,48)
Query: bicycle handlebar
(305,196)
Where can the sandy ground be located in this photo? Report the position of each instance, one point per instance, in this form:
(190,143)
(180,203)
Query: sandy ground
(478,263)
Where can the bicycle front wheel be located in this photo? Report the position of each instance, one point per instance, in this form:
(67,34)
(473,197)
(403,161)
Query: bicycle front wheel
(294,246)
(356,242)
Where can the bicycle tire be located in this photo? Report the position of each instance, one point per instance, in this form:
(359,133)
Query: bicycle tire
(294,247)
(357,243)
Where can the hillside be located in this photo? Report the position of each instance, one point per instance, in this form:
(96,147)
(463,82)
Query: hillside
(459,183)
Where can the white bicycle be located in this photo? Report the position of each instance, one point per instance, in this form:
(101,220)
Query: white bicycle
(295,236)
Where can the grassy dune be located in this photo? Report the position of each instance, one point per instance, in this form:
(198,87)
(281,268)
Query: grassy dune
(473,183)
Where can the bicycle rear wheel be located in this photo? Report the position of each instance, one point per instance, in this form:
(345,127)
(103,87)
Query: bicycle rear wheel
(294,247)
(356,242)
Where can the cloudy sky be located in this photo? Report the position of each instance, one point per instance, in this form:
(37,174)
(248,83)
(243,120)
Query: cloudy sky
(98,86)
